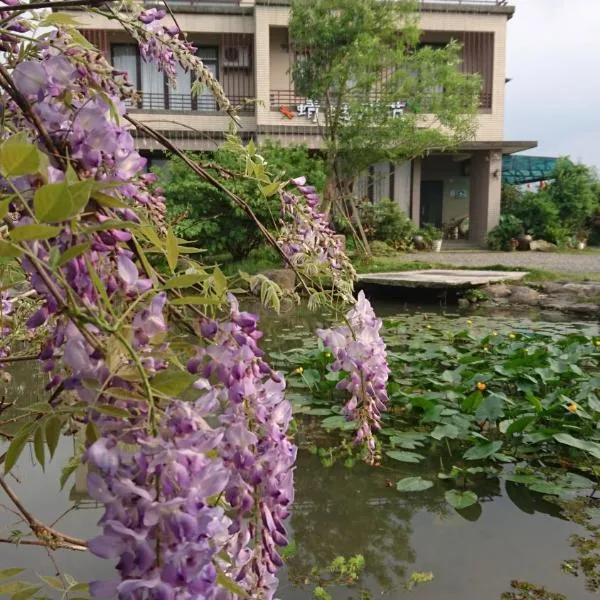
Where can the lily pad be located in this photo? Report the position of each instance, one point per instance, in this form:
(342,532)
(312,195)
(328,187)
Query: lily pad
(460,500)
(413,484)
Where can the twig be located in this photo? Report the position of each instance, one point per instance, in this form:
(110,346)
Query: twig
(48,536)
(14,359)
(53,544)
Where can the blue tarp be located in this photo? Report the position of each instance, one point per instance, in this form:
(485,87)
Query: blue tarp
(517,170)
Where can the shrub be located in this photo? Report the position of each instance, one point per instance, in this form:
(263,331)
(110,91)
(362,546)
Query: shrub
(208,217)
(509,228)
(539,215)
(386,222)
(379,248)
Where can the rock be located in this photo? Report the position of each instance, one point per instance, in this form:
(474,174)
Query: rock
(525,295)
(550,287)
(560,303)
(498,290)
(463,303)
(583,289)
(284,278)
(542,246)
(584,309)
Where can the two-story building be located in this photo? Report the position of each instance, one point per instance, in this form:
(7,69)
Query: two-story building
(246,44)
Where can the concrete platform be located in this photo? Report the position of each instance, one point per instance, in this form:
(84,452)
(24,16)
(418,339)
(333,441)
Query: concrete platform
(439,278)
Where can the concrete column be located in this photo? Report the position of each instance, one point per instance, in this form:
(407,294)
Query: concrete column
(415,198)
(402,184)
(486,184)
(262,65)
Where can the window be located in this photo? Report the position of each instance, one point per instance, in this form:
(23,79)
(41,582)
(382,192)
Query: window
(151,83)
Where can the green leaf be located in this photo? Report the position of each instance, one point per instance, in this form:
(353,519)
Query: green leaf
(491,409)
(33,232)
(311,376)
(108,201)
(53,582)
(59,19)
(53,428)
(91,433)
(6,573)
(184,281)
(592,448)
(409,440)
(38,446)
(59,201)
(230,585)
(520,424)
(172,250)
(196,300)
(172,383)
(413,484)
(219,281)
(4,204)
(482,451)
(72,252)
(8,250)
(68,470)
(26,593)
(547,487)
(271,189)
(409,457)
(472,401)
(460,500)
(19,157)
(16,447)
(445,431)
(338,422)
(98,284)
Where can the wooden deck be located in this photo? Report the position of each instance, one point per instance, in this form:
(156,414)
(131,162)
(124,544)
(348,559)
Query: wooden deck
(439,278)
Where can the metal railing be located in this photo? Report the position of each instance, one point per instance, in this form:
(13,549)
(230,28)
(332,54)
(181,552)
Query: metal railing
(289,100)
(187,103)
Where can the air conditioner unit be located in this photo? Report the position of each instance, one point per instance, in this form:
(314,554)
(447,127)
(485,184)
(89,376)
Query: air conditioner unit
(236,57)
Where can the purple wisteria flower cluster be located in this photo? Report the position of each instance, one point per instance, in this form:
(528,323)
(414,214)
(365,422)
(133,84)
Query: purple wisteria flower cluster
(359,350)
(309,242)
(195,493)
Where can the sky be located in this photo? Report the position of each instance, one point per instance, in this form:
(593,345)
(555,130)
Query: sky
(554,63)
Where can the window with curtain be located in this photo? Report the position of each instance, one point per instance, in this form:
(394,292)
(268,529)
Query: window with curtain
(210,57)
(124,58)
(147,79)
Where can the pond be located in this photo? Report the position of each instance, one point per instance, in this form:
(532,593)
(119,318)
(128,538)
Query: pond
(512,533)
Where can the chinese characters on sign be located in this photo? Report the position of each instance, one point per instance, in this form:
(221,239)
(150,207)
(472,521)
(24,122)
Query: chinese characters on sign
(310,110)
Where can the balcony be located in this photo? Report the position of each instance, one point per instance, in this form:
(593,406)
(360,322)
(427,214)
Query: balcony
(186,103)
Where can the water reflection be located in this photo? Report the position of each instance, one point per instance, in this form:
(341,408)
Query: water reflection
(473,554)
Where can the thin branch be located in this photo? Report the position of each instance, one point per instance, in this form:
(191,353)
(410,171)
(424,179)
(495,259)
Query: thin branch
(45,534)
(166,143)
(53,545)
(14,359)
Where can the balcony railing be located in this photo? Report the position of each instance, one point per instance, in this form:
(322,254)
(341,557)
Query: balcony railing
(187,103)
(288,100)
(482,2)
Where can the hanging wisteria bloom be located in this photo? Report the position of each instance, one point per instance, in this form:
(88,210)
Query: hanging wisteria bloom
(359,350)
(310,243)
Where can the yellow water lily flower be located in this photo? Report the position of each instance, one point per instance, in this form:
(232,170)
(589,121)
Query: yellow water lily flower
(299,371)
(572,408)
(481,386)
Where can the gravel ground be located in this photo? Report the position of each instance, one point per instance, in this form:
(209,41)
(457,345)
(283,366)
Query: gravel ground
(568,262)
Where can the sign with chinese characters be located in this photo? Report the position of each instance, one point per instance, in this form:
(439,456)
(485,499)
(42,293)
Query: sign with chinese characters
(310,110)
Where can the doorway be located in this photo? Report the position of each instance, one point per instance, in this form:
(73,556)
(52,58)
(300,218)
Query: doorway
(432,200)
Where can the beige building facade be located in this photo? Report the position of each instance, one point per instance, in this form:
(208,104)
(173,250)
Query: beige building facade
(246,45)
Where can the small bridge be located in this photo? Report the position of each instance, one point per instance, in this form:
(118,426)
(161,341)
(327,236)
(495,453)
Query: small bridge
(439,278)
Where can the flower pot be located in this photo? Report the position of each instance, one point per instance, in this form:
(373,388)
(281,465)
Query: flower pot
(436,245)
(524,242)
(419,242)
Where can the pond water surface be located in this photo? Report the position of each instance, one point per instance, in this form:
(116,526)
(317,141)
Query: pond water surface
(473,555)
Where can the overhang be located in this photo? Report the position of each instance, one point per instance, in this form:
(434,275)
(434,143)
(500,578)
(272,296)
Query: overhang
(506,147)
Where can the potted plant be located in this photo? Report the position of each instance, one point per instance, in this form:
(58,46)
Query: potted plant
(582,238)
(433,236)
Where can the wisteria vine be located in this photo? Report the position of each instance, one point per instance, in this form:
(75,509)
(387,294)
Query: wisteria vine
(187,450)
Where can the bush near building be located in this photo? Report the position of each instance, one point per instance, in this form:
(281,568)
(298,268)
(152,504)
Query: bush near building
(202,214)
(563,212)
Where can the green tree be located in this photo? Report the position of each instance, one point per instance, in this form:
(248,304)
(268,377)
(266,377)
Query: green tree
(207,216)
(359,57)
(574,192)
